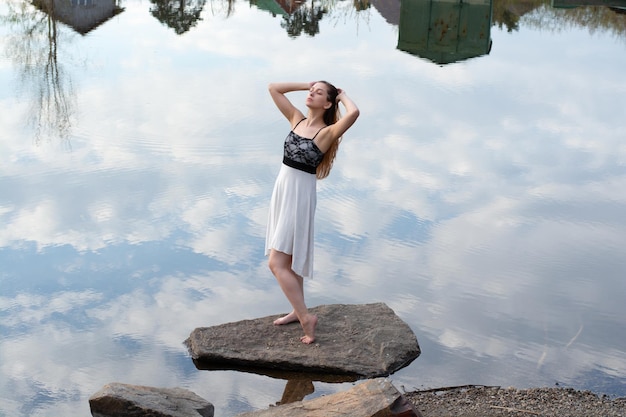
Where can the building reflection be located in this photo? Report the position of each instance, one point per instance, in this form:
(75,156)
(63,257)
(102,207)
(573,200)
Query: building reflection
(278,7)
(81,15)
(445,31)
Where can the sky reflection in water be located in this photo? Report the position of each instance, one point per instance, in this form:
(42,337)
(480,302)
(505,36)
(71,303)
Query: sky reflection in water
(481,200)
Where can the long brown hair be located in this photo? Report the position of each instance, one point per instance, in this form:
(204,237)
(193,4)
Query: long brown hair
(331,115)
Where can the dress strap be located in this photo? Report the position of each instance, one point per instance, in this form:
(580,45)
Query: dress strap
(293,128)
(317,131)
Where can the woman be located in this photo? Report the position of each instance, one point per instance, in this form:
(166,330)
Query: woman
(309,151)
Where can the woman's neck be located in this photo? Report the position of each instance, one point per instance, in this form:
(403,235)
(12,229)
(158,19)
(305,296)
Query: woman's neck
(315,118)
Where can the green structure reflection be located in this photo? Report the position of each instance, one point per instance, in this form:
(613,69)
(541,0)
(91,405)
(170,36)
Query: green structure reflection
(445,31)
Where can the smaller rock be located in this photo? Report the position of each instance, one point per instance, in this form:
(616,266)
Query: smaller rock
(123,400)
(374,398)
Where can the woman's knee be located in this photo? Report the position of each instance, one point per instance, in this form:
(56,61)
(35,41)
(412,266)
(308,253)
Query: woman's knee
(271,263)
(278,261)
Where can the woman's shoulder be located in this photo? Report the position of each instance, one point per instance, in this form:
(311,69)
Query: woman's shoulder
(297,120)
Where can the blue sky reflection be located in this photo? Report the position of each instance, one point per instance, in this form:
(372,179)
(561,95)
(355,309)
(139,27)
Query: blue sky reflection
(481,200)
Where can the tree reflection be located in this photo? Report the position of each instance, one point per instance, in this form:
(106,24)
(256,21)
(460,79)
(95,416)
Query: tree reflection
(299,18)
(360,5)
(594,19)
(506,13)
(227,7)
(304,19)
(557,15)
(180,15)
(34,47)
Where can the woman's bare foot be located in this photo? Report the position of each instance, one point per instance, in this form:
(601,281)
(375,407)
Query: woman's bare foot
(309,325)
(289,318)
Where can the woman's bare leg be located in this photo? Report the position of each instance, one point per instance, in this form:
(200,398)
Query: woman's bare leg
(291,317)
(292,285)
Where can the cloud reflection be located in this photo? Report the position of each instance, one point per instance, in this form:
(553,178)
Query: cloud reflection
(71,345)
(482,202)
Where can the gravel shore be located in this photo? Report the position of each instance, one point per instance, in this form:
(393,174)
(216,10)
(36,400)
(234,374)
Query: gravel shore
(480,401)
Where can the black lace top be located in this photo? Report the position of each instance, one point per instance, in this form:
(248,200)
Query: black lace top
(302,153)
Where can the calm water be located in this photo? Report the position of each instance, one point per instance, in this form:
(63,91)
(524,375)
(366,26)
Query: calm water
(483,199)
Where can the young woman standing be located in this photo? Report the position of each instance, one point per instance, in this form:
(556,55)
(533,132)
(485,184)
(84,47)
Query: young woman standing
(309,152)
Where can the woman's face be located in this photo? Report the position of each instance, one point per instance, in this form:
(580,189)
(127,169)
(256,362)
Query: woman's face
(318,96)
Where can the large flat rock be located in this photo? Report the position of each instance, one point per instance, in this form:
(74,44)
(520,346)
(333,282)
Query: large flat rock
(363,341)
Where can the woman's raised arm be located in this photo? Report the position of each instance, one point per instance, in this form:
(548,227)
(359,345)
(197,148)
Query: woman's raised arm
(278,91)
(336,130)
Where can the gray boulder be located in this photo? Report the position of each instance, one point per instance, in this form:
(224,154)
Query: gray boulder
(361,341)
(123,400)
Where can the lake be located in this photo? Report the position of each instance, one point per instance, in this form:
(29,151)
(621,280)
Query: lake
(480,194)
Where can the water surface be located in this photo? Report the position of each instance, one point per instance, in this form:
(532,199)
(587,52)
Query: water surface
(479,195)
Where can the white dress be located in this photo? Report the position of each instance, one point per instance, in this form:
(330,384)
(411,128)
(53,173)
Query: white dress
(291,218)
(292,207)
